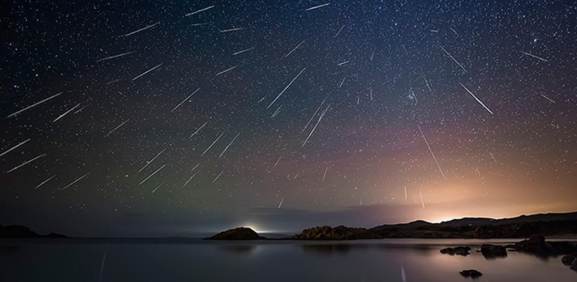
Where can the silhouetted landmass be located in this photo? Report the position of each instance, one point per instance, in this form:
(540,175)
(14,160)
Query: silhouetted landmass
(460,251)
(337,233)
(18,231)
(485,228)
(240,233)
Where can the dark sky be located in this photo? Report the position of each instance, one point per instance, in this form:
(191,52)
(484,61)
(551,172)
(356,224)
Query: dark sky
(490,85)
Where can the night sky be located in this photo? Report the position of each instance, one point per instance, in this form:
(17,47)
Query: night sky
(354,112)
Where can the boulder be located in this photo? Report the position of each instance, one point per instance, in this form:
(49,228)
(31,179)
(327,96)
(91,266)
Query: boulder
(574,265)
(471,273)
(460,251)
(240,233)
(493,251)
(568,259)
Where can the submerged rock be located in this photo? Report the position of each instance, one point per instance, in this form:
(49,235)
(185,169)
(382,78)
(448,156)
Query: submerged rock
(240,233)
(493,251)
(337,233)
(460,251)
(471,273)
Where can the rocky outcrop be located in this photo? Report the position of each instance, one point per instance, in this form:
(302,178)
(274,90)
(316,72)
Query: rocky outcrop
(460,251)
(240,233)
(19,231)
(569,259)
(337,233)
(538,246)
(493,251)
(471,273)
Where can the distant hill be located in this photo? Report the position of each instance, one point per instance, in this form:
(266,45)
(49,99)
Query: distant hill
(519,227)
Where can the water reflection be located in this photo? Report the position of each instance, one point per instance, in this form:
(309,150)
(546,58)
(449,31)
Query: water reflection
(238,249)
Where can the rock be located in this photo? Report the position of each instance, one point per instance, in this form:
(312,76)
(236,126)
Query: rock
(460,250)
(537,245)
(17,231)
(471,273)
(337,233)
(493,251)
(240,233)
(569,259)
(574,265)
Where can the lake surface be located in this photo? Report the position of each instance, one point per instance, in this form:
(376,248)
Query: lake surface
(196,260)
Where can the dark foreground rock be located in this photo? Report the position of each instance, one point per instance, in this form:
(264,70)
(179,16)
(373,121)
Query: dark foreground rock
(19,231)
(569,259)
(493,251)
(471,273)
(574,265)
(460,251)
(337,233)
(538,246)
(240,233)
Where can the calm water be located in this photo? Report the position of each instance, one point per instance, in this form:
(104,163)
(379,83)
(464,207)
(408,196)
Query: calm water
(374,260)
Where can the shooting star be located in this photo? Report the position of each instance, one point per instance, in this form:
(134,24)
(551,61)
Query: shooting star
(291,51)
(325,174)
(307,125)
(454,31)
(44,182)
(288,85)
(74,182)
(276,112)
(214,142)
(185,100)
(315,127)
(405,193)
(342,82)
(25,163)
(19,144)
(111,131)
(80,110)
(478,101)
(198,130)
(372,55)
(403,276)
(189,180)
(339,31)
(277,161)
(453,58)
(218,176)
(151,175)
(280,204)
(431,151)
(243,51)
(226,70)
(199,11)
(317,7)
(231,29)
(549,99)
(428,86)
(157,188)
(34,105)
(195,167)
(534,56)
(149,162)
(342,63)
(224,151)
(115,56)
(65,113)
(153,68)
(422,201)
(493,157)
(142,29)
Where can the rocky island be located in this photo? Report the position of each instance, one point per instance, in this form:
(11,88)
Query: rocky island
(240,233)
